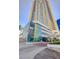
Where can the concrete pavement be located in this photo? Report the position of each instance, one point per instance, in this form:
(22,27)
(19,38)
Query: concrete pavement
(54,47)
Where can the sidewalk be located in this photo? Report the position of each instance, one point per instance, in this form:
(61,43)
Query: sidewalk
(54,47)
(24,44)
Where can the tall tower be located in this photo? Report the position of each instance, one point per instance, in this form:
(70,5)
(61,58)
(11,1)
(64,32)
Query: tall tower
(42,24)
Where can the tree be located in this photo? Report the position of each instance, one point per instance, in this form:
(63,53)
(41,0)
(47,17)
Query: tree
(20,27)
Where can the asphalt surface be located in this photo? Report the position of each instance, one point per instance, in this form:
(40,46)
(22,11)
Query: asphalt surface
(48,54)
(37,52)
(29,51)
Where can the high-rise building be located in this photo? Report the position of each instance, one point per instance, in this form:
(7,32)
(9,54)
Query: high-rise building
(42,24)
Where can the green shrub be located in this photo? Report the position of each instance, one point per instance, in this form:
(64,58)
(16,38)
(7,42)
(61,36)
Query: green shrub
(54,41)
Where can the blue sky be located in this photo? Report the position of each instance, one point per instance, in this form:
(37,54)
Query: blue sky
(25,8)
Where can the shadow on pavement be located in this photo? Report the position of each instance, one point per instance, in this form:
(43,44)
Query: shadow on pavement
(48,54)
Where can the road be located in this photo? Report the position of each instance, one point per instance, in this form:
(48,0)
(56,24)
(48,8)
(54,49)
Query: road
(29,51)
(36,52)
(47,54)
